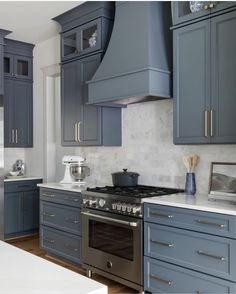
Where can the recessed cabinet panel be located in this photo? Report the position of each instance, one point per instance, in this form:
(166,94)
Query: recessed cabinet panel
(9,136)
(223,54)
(191,83)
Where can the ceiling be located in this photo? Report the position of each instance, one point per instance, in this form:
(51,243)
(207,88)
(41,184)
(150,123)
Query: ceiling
(30,21)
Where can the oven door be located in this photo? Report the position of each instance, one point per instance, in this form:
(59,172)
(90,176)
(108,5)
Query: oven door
(113,243)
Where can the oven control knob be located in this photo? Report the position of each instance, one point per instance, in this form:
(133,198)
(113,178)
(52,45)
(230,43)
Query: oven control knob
(129,208)
(101,202)
(92,202)
(114,205)
(85,201)
(123,207)
(118,206)
(136,209)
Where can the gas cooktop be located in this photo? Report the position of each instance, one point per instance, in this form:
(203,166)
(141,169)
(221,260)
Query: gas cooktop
(139,191)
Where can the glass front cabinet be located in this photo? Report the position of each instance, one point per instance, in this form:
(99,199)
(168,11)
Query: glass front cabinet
(81,40)
(183,11)
(16,66)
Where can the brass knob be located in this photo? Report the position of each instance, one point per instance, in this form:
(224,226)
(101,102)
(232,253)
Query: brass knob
(206,7)
(211,5)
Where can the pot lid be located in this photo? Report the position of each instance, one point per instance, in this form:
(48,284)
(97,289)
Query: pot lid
(125,172)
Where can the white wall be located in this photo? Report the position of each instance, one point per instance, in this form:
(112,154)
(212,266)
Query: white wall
(46,53)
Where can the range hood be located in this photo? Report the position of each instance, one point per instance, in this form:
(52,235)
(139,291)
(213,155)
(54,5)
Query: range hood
(137,64)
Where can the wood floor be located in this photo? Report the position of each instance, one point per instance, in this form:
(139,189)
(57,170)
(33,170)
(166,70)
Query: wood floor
(32,245)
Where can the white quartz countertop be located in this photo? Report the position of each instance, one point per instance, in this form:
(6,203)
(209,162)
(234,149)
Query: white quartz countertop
(197,202)
(22,179)
(24,273)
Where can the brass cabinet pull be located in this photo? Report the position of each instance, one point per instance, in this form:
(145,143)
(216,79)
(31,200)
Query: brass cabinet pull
(70,220)
(49,240)
(206,123)
(211,5)
(206,7)
(16,134)
(210,255)
(48,214)
(71,247)
(161,280)
(199,221)
(162,243)
(72,199)
(12,135)
(161,215)
(199,292)
(78,131)
(48,195)
(212,113)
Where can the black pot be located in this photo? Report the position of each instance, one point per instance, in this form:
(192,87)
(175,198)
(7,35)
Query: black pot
(125,179)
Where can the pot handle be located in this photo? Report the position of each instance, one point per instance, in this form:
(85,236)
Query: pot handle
(125,170)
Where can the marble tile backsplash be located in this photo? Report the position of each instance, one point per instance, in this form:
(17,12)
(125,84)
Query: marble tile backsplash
(10,157)
(148,149)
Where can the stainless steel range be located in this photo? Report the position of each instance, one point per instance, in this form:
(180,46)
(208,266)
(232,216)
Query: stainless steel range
(112,234)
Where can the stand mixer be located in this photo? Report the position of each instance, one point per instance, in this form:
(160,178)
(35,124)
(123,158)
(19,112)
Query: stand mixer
(75,170)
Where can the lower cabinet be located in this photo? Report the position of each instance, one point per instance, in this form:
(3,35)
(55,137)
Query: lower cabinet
(183,254)
(60,224)
(21,208)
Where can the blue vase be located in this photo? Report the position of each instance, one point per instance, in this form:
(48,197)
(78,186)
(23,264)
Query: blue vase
(190,185)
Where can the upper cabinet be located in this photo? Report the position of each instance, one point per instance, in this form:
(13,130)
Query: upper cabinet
(205,81)
(3,33)
(18,94)
(184,11)
(85,34)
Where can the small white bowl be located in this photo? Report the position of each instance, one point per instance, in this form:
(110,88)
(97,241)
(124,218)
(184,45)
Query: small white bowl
(14,173)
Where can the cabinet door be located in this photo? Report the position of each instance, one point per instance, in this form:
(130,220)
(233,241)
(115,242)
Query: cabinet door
(90,126)
(23,67)
(31,210)
(223,60)
(71,101)
(8,65)
(23,114)
(191,83)
(69,44)
(9,132)
(13,220)
(90,36)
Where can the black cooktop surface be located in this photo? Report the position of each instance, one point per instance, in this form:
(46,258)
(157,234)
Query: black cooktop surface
(139,191)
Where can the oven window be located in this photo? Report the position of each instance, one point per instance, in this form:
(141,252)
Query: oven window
(115,240)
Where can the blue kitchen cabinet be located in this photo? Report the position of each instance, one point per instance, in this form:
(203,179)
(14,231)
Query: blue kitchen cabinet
(18,96)
(21,208)
(3,33)
(183,244)
(204,81)
(85,34)
(60,223)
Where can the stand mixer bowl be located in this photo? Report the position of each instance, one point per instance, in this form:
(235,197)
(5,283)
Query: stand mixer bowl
(79,172)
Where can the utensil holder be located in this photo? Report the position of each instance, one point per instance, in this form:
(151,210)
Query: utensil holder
(190,184)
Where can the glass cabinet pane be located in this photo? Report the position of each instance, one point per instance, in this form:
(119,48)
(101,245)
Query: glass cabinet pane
(7,65)
(69,44)
(89,37)
(22,67)
(189,7)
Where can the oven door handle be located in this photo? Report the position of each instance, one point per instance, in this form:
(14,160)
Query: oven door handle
(130,224)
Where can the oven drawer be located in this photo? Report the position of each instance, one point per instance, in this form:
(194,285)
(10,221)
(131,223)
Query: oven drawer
(210,254)
(206,222)
(161,277)
(61,217)
(59,196)
(61,244)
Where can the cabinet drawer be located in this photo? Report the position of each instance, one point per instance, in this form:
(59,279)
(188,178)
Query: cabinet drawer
(210,254)
(161,277)
(59,196)
(19,186)
(60,243)
(61,217)
(206,222)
